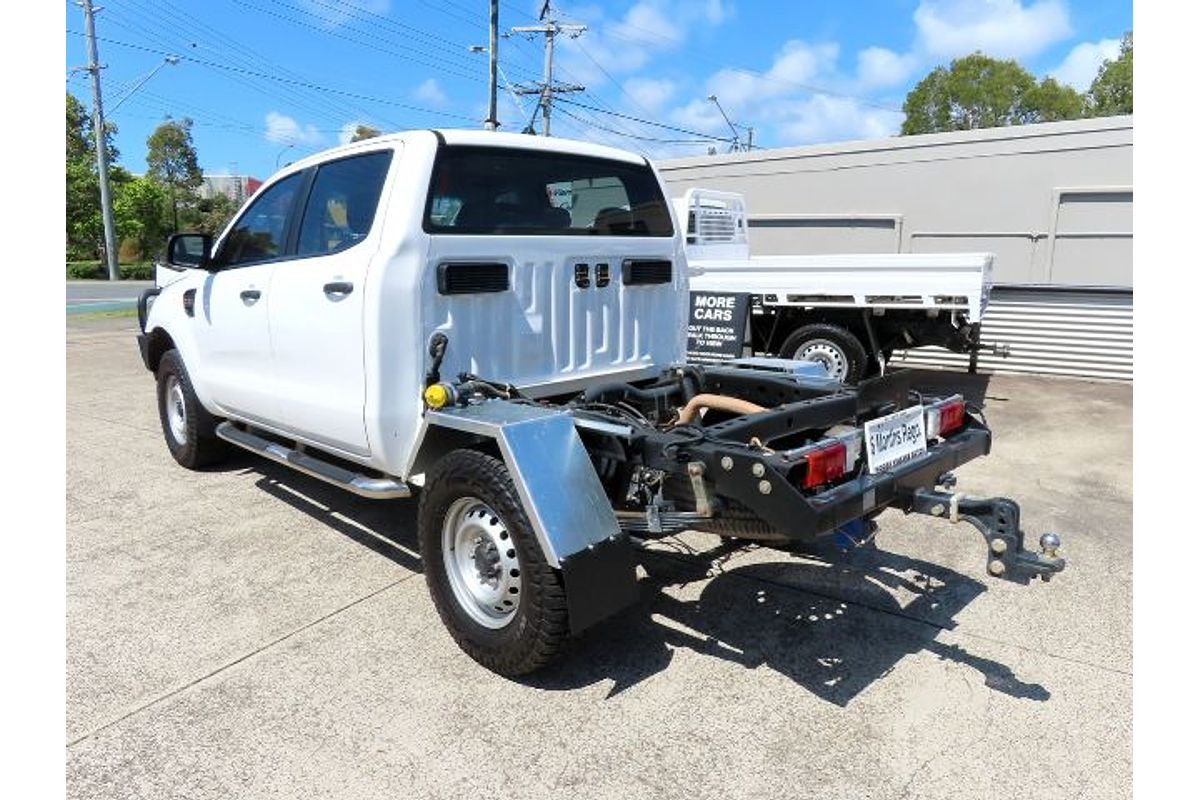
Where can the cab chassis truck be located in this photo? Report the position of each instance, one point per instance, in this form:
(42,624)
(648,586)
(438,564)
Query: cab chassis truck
(497,322)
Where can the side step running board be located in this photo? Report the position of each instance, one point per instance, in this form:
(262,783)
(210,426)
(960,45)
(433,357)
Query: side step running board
(376,488)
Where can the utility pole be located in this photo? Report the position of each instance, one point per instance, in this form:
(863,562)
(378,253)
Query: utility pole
(546,90)
(493,29)
(110,234)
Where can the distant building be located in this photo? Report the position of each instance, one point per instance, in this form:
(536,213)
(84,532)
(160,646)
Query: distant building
(236,187)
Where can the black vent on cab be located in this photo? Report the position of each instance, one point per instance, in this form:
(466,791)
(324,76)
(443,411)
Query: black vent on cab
(472,278)
(645,271)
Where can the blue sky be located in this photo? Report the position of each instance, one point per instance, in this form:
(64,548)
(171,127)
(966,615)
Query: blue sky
(268,81)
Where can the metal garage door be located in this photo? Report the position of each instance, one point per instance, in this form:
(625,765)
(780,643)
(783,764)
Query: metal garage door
(1050,331)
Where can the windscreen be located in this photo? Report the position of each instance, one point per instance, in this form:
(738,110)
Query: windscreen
(489,190)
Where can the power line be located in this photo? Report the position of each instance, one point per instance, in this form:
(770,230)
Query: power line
(663,125)
(288,81)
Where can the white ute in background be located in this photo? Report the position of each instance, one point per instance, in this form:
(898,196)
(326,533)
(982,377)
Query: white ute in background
(847,311)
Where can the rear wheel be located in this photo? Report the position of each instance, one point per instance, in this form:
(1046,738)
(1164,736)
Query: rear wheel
(837,349)
(189,429)
(501,601)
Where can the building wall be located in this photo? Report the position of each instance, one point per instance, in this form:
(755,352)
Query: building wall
(1053,201)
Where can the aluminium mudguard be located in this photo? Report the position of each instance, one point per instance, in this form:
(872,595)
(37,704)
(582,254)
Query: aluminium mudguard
(563,498)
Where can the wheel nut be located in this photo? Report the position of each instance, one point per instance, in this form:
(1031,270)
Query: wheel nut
(726,463)
(764,487)
(759,470)
(999,546)
(996,567)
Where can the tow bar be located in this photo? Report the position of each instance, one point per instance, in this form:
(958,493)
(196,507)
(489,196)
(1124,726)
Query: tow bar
(999,520)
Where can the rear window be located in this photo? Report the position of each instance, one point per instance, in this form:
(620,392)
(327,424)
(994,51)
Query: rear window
(486,190)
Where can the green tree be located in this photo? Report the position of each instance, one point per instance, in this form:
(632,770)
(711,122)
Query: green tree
(364,132)
(977,91)
(139,212)
(1112,90)
(212,214)
(171,160)
(85,231)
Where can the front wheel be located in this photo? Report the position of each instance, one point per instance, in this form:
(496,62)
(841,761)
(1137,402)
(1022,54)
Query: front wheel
(501,601)
(834,347)
(189,429)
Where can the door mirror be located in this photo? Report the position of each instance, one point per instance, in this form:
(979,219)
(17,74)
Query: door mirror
(193,250)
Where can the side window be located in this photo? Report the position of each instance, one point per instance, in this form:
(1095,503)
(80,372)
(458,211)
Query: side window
(258,235)
(341,206)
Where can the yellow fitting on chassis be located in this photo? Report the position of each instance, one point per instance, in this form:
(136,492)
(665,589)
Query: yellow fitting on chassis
(437,395)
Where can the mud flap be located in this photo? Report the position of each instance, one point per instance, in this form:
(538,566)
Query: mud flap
(600,581)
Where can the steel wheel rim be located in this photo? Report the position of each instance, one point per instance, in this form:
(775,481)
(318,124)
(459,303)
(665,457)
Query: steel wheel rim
(176,408)
(481,563)
(828,354)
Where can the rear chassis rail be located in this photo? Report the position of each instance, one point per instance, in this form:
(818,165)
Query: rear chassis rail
(733,460)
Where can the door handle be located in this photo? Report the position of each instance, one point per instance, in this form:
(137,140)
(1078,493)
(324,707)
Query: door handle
(251,295)
(339,287)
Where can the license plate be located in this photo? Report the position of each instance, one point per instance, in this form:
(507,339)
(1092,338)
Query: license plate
(895,439)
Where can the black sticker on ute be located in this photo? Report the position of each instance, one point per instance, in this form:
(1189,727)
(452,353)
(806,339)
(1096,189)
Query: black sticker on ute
(189,302)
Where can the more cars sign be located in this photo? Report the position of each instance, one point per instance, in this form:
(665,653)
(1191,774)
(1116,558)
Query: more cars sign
(716,325)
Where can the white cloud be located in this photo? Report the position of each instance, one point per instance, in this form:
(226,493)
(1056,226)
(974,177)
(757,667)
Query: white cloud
(624,45)
(1080,66)
(825,119)
(796,65)
(1000,28)
(282,129)
(879,67)
(650,93)
(333,14)
(430,93)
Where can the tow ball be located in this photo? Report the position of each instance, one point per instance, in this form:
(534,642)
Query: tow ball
(999,520)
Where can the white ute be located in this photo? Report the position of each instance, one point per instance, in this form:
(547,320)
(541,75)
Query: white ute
(498,322)
(848,312)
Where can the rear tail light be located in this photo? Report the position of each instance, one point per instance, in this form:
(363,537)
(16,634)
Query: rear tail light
(827,460)
(826,463)
(945,416)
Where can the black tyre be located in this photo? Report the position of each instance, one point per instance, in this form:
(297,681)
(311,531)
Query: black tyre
(835,347)
(189,429)
(500,600)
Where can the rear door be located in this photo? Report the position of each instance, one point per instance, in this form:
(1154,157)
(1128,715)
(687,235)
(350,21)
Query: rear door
(316,306)
(231,307)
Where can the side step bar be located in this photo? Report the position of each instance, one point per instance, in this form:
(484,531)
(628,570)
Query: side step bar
(375,488)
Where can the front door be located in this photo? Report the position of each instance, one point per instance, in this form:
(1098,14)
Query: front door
(317,302)
(232,305)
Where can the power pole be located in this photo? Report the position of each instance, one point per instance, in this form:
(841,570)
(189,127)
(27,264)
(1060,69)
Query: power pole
(547,88)
(94,67)
(493,27)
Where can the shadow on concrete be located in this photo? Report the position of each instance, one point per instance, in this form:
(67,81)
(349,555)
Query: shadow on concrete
(833,622)
(386,527)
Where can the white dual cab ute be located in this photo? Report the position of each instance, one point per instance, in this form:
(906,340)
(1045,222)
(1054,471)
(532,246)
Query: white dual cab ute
(848,312)
(498,322)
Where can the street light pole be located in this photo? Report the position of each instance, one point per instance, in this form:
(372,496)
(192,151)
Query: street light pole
(169,60)
(737,142)
(290,145)
(106,212)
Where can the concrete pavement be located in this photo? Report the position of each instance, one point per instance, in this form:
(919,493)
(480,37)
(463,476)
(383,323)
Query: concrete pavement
(249,632)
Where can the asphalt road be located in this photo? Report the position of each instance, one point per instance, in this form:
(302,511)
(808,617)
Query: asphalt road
(84,297)
(248,632)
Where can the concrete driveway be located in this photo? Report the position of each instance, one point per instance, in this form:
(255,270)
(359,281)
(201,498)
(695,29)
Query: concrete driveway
(249,632)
